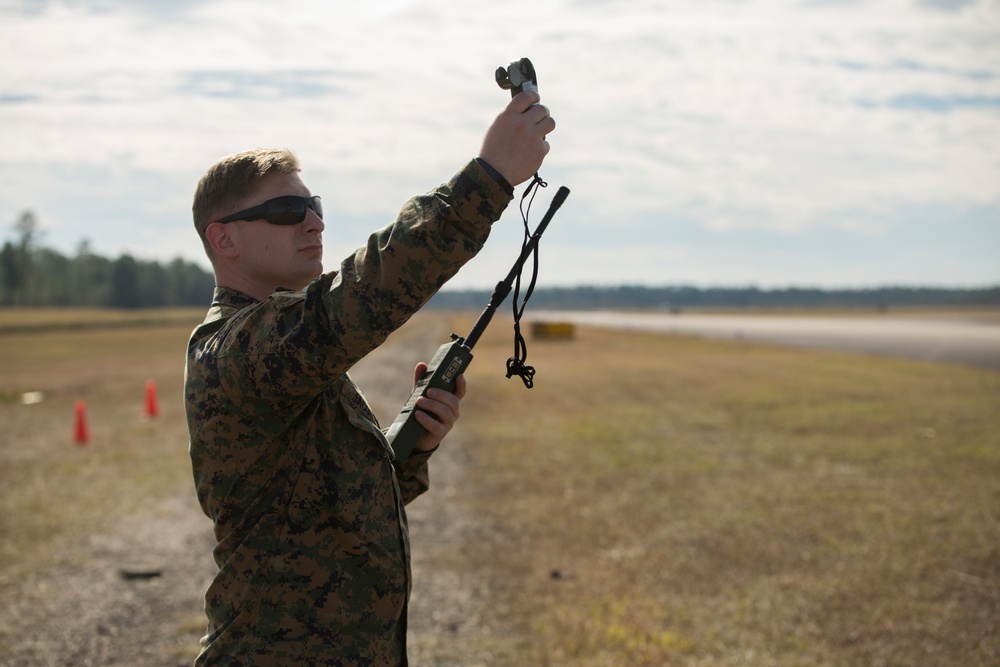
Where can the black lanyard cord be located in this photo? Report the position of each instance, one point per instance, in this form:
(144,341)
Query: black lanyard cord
(515,364)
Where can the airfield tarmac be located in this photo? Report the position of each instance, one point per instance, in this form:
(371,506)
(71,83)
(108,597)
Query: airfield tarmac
(966,338)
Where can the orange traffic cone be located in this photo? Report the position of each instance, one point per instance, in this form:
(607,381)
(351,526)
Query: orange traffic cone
(81,435)
(152,405)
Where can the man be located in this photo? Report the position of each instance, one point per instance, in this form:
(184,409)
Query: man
(289,462)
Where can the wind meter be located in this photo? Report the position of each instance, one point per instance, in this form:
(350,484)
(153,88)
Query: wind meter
(517,77)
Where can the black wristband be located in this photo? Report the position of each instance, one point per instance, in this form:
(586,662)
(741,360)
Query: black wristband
(496,176)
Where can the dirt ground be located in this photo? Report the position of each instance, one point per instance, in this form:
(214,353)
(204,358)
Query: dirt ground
(133,595)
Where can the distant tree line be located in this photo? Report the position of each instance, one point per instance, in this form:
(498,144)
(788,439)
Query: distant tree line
(681,298)
(31,275)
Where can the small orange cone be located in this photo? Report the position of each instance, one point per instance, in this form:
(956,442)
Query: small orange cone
(152,405)
(81,435)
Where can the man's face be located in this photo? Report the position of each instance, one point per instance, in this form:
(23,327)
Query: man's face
(279,255)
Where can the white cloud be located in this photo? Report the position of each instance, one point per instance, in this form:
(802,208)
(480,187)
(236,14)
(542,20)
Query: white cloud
(778,116)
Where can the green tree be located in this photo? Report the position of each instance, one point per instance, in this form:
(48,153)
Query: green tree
(11,275)
(15,260)
(125,283)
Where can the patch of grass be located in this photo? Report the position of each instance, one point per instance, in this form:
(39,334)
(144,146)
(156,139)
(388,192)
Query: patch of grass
(673,501)
(605,630)
(23,320)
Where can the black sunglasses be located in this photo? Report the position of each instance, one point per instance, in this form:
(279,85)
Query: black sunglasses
(287,210)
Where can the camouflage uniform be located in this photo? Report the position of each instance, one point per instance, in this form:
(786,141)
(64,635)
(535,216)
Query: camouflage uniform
(289,461)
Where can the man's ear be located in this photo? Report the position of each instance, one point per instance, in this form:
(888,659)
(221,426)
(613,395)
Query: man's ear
(221,240)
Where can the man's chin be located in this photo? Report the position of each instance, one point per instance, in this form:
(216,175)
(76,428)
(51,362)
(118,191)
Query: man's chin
(312,275)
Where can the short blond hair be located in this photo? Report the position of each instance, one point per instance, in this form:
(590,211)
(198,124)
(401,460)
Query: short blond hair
(233,179)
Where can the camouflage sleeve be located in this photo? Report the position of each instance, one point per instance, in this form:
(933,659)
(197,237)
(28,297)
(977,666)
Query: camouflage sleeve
(405,264)
(413,475)
(295,344)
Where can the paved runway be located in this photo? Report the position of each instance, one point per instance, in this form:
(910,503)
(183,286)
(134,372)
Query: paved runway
(971,339)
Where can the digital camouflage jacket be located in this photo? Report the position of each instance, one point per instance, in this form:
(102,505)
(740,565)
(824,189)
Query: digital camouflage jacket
(288,459)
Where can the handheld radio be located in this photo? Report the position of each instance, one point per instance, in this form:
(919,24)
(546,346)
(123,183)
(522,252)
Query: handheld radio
(451,359)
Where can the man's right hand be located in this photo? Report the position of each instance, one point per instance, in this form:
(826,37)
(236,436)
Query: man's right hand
(515,143)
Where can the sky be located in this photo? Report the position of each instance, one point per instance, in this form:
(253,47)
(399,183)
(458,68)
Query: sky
(714,143)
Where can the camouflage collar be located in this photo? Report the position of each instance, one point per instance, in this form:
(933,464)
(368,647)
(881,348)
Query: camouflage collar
(228,298)
(226,302)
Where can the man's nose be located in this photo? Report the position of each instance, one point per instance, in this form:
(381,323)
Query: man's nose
(313,222)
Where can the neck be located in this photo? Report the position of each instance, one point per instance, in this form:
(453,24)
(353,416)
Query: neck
(243,283)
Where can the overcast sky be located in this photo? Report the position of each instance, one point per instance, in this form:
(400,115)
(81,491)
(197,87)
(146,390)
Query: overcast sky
(829,143)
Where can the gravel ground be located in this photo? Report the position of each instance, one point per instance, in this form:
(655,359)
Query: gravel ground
(133,595)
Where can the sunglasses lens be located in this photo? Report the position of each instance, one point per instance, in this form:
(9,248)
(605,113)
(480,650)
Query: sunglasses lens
(315,204)
(286,210)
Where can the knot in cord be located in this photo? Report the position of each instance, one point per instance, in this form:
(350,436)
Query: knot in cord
(527,373)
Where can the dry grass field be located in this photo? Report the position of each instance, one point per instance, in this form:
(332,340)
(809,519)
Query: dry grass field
(654,500)
(673,501)
(53,488)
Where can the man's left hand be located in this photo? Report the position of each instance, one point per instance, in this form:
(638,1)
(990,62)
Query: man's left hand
(438,411)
